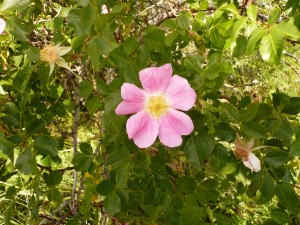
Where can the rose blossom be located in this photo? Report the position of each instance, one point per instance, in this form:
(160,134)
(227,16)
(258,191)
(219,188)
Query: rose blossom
(2,26)
(156,107)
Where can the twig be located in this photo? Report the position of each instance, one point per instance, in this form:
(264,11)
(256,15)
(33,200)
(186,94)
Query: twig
(75,145)
(50,218)
(292,56)
(292,67)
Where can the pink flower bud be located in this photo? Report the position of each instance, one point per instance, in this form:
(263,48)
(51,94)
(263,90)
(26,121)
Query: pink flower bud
(2,26)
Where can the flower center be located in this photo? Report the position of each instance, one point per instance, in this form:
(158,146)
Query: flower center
(157,105)
(49,54)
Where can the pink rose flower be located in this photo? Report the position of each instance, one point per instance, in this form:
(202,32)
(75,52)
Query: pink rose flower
(157,106)
(2,26)
(244,151)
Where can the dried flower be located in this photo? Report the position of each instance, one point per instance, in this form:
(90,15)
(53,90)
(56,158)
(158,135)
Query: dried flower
(243,150)
(52,54)
(157,106)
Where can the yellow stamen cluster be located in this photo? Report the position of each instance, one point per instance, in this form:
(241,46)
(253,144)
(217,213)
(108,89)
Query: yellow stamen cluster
(157,105)
(49,54)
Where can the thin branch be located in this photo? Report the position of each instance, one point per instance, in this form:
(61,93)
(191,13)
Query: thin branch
(75,145)
(50,218)
(292,67)
(292,56)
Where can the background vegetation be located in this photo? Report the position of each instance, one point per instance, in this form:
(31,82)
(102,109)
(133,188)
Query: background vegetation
(64,154)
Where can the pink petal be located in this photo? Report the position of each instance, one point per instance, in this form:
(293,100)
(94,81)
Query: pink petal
(180,93)
(143,129)
(134,100)
(127,107)
(132,93)
(2,25)
(172,126)
(156,79)
(104,9)
(252,163)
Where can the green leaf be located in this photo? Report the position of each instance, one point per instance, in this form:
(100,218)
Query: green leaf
(274,16)
(26,162)
(170,23)
(33,54)
(192,215)
(253,129)
(170,38)
(112,123)
(7,147)
(130,45)
(22,78)
(192,152)
(19,28)
(13,5)
(183,21)
(207,191)
(272,46)
(93,103)
(219,158)
(122,175)
(85,88)
(267,189)
(255,184)
(46,145)
(295,148)
(283,130)
(291,7)
(288,29)
(34,126)
(86,148)
(82,162)
(216,39)
(112,100)
(118,56)
(186,184)
(276,158)
(194,63)
(118,159)
(129,70)
(225,133)
(94,53)
(82,19)
(230,113)
(280,216)
(105,46)
(105,187)
(53,178)
(293,107)
(241,47)
(102,87)
(229,168)
(287,197)
(10,192)
(112,203)
(54,195)
(255,39)
(252,12)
